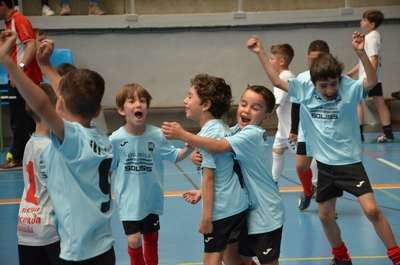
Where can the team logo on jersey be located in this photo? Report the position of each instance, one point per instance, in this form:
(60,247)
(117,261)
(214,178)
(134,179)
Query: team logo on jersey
(265,136)
(151,146)
(123,143)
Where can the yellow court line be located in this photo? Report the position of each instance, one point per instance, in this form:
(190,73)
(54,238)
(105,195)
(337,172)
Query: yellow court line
(169,194)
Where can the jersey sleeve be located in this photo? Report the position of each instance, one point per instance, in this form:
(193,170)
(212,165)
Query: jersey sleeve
(373,45)
(298,90)
(24,29)
(71,146)
(243,143)
(168,151)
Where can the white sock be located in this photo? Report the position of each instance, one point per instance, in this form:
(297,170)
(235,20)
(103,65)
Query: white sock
(278,161)
(314,170)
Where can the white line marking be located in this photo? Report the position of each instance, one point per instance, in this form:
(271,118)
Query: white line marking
(388,163)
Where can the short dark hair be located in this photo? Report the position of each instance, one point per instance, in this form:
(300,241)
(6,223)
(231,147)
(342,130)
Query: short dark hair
(267,95)
(214,89)
(285,50)
(49,91)
(318,46)
(324,67)
(132,90)
(9,3)
(82,90)
(374,16)
(65,68)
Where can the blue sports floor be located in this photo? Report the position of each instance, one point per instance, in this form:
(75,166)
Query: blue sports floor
(303,241)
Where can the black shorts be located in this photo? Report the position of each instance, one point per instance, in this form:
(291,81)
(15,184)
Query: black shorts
(225,231)
(40,255)
(333,180)
(266,246)
(301,149)
(376,91)
(107,258)
(150,223)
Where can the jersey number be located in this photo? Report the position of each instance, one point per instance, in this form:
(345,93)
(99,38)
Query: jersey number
(31,192)
(104,183)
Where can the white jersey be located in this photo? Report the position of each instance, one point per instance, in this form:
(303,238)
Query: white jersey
(372,46)
(283,112)
(36,225)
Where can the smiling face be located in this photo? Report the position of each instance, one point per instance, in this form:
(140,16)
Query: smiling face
(135,110)
(193,105)
(251,109)
(366,25)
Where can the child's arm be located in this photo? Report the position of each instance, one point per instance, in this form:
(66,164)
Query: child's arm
(192,196)
(254,44)
(358,46)
(184,152)
(353,71)
(43,55)
(207,191)
(173,130)
(32,94)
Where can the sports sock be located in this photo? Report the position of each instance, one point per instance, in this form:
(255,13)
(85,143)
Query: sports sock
(150,241)
(394,254)
(305,179)
(136,256)
(278,161)
(314,170)
(341,252)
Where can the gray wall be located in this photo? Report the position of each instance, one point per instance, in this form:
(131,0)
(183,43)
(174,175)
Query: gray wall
(164,60)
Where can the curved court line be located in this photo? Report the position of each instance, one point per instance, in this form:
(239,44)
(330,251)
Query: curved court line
(305,259)
(380,159)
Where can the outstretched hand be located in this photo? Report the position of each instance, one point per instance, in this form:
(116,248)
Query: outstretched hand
(254,44)
(192,196)
(357,41)
(172,130)
(7,42)
(44,51)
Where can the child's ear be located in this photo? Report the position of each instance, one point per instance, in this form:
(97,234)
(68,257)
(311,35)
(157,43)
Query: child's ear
(206,105)
(121,111)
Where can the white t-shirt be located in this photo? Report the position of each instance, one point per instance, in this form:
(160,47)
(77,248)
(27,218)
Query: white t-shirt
(372,46)
(36,226)
(283,111)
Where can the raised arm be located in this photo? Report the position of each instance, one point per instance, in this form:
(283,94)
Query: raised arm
(173,130)
(43,54)
(358,46)
(32,94)
(184,152)
(254,45)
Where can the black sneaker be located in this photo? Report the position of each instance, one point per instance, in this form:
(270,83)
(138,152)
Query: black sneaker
(341,262)
(304,202)
(11,164)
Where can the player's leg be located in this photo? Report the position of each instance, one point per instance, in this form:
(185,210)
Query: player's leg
(151,226)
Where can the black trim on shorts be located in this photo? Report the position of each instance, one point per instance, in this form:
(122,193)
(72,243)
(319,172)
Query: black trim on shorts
(334,179)
(107,258)
(265,246)
(40,255)
(301,149)
(150,223)
(225,231)
(376,91)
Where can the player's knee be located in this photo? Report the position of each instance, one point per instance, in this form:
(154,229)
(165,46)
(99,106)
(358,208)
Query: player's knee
(134,240)
(372,212)
(278,151)
(326,216)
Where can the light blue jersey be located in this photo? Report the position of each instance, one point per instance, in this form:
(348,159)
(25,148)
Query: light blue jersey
(251,150)
(79,186)
(303,77)
(332,125)
(229,197)
(139,176)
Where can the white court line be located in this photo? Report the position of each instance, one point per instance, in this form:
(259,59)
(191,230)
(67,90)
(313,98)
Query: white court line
(388,163)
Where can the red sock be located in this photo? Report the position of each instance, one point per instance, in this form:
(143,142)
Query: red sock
(341,252)
(150,242)
(136,255)
(305,179)
(394,254)
(244,263)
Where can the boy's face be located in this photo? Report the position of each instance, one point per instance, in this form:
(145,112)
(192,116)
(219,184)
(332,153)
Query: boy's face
(135,111)
(193,106)
(251,109)
(311,56)
(366,25)
(328,88)
(276,61)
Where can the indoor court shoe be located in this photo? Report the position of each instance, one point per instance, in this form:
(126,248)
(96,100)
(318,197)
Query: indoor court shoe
(65,10)
(46,11)
(396,94)
(304,202)
(11,164)
(341,262)
(94,9)
(383,139)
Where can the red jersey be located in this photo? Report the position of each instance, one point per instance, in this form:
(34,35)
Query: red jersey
(21,25)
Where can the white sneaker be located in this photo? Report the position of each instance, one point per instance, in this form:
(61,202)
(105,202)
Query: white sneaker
(46,11)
